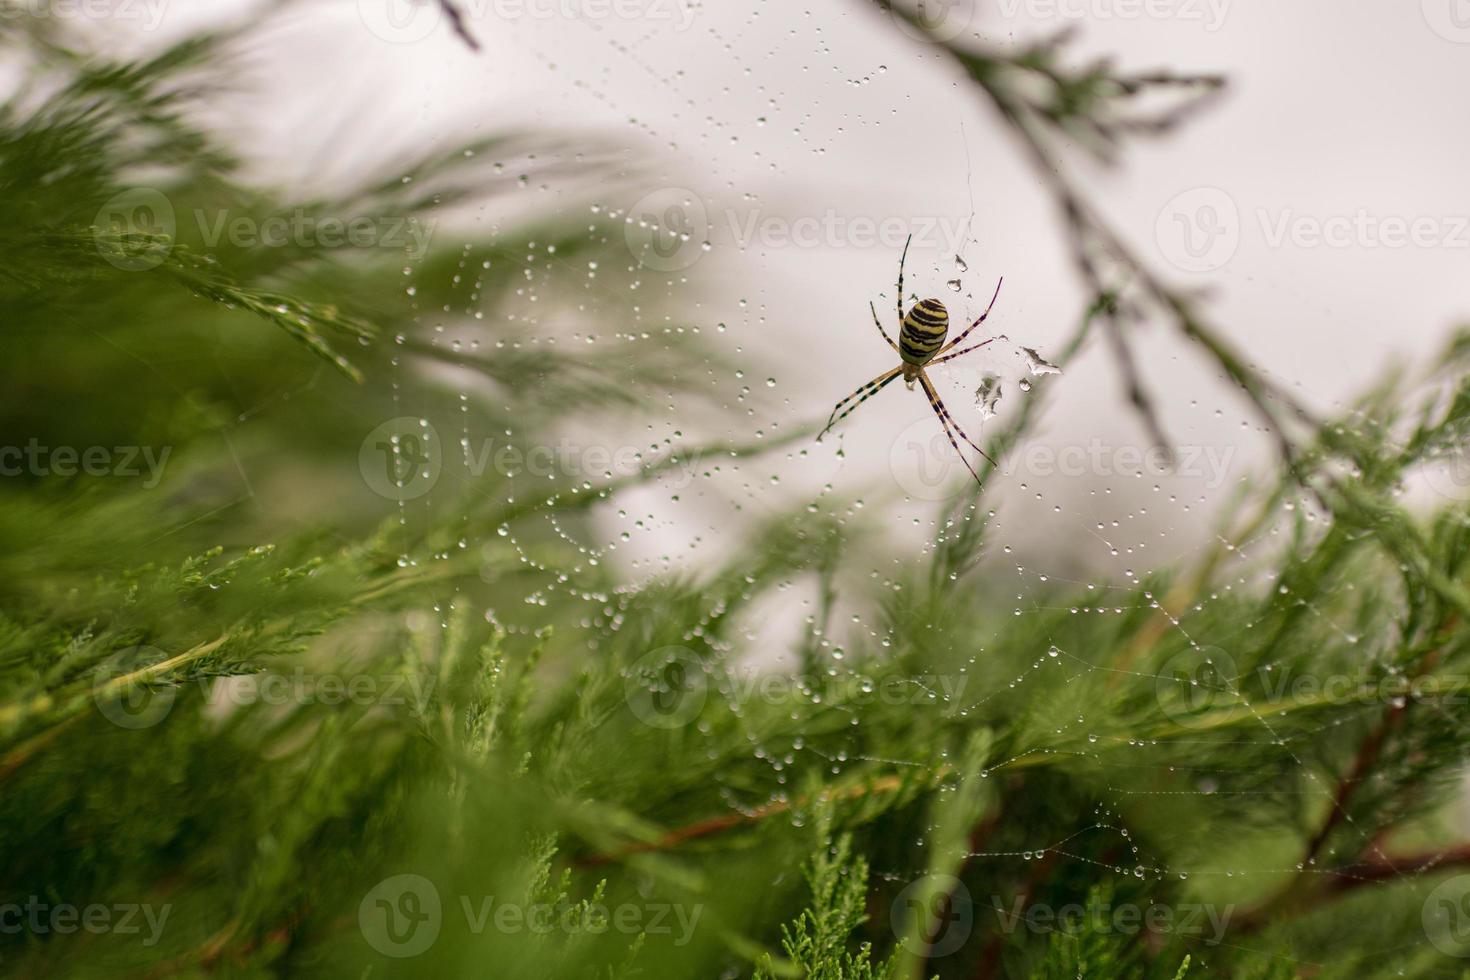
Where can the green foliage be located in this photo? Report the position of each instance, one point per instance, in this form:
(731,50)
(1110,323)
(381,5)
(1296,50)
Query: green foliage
(817,942)
(315,731)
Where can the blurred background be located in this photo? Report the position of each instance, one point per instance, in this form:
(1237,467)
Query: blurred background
(774,138)
(767,169)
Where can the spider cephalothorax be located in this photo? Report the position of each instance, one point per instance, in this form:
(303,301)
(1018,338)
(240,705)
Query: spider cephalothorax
(921,336)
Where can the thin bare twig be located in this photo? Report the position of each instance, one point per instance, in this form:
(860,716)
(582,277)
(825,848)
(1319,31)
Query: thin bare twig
(457,22)
(1091,235)
(728,821)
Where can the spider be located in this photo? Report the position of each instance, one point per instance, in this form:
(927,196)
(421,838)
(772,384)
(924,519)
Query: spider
(920,338)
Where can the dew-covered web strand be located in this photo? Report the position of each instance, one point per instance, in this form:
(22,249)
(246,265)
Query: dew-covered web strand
(712,122)
(1272,735)
(560,578)
(1158,869)
(473,314)
(1017,683)
(1097,526)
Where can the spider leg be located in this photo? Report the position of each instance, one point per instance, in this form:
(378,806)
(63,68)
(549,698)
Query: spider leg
(866,391)
(879,325)
(959,353)
(966,332)
(943,410)
(949,435)
(947,420)
(861,390)
(901,258)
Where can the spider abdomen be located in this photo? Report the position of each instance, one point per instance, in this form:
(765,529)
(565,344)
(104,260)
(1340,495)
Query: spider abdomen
(923,331)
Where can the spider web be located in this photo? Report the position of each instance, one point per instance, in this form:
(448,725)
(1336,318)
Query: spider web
(746,120)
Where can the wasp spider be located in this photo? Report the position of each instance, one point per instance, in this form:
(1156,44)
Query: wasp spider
(920,343)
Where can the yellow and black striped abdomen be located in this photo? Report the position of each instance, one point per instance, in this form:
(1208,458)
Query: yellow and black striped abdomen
(923,331)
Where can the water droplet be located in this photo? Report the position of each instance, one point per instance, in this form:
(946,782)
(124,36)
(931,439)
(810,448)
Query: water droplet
(1037,364)
(987,395)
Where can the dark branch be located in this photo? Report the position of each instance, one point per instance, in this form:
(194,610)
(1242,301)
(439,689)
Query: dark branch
(457,21)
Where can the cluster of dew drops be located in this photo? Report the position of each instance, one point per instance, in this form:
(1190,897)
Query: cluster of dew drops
(1107,533)
(607,607)
(522,333)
